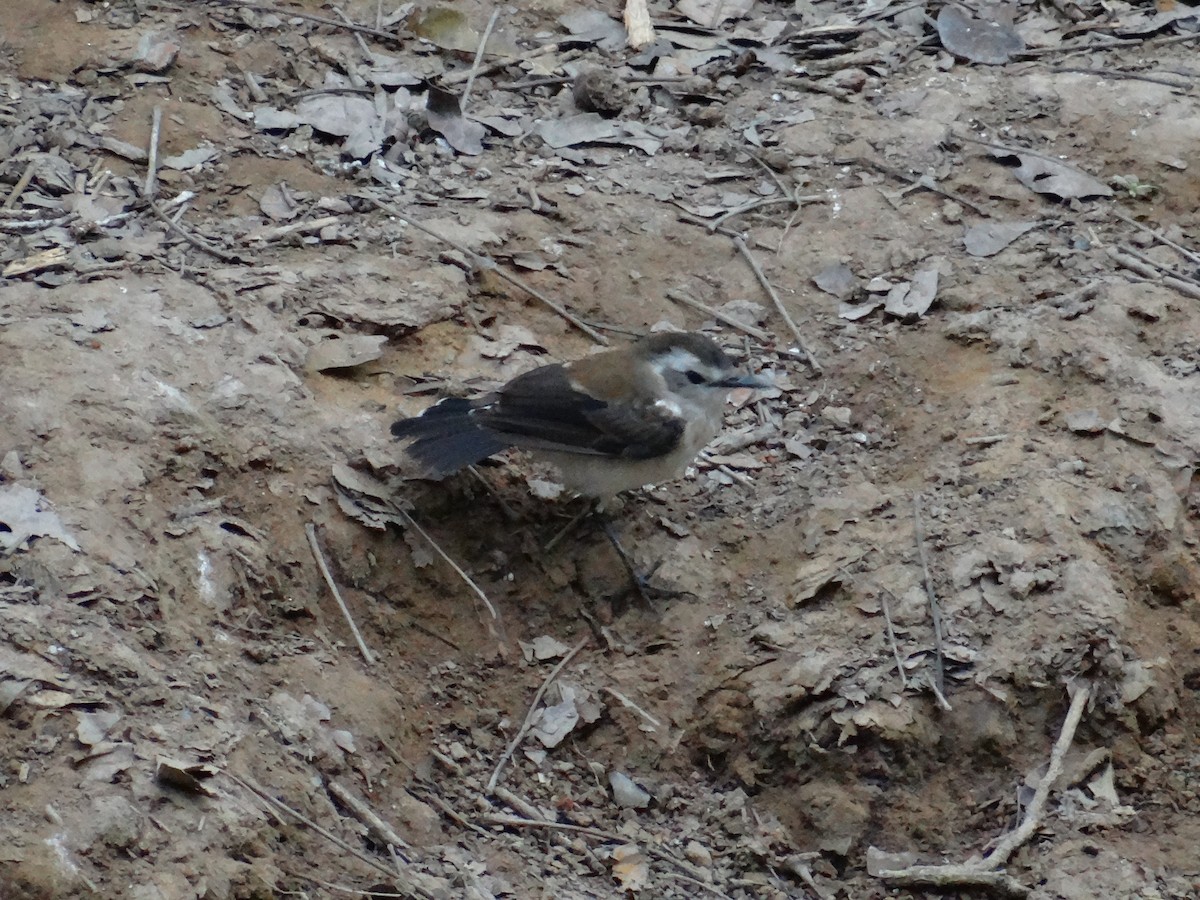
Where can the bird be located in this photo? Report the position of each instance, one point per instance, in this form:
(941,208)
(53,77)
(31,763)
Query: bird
(610,422)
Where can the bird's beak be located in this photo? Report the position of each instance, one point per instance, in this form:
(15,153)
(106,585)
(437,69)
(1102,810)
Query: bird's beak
(742,381)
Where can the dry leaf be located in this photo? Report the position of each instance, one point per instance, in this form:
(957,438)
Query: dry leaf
(185,776)
(1048,176)
(977,40)
(444,114)
(990,238)
(630,867)
(344,352)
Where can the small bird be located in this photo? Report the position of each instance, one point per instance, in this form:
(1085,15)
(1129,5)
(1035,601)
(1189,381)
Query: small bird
(610,422)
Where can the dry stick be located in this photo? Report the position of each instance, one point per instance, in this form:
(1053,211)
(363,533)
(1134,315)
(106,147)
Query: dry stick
(283,231)
(1157,235)
(985,440)
(362,44)
(320,20)
(1018,151)
(179,230)
(954,876)
(1126,260)
(152,164)
(1118,74)
(534,814)
(973,873)
(533,709)
(456,77)
(775,298)
(887,618)
(750,207)
(488,263)
(935,613)
(788,193)
(680,297)
(1033,814)
(1154,263)
(19,188)
(428,796)
(487,33)
(381,829)
(536,821)
(625,701)
(311,530)
(1115,44)
(923,181)
(328,835)
(496,625)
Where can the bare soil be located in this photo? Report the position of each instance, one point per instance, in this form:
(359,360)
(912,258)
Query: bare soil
(166,437)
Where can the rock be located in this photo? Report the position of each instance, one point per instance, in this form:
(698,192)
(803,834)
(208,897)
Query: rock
(627,793)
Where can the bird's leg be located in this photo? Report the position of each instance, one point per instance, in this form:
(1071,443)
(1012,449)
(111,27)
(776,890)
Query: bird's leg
(588,510)
(639,581)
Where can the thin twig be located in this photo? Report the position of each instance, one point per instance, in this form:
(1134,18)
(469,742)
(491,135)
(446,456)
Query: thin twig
(599,834)
(320,20)
(680,297)
(532,813)
(1118,74)
(1151,261)
(490,264)
(749,206)
(384,832)
(426,795)
(986,440)
(308,225)
(152,163)
(362,44)
(1033,813)
(935,613)
(1151,271)
(496,626)
(19,188)
(954,876)
(455,77)
(487,33)
(922,181)
(311,530)
(1018,151)
(533,710)
(625,701)
(980,872)
(179,230)
(1113,44)
(1158,236)
(775,298)
(891,631)
(328,835)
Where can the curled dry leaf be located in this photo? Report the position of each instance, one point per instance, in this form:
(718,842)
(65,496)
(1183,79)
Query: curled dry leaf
(27,514)
(444,114)
(186,776)
(912,300)
(978,40)
(1048,176)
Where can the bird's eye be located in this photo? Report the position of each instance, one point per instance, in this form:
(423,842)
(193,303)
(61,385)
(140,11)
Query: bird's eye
(695,377)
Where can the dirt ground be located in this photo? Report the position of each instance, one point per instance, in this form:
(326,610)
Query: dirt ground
(994,266)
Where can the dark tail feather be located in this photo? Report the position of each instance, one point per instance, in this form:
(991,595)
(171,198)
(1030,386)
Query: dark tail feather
(444,438)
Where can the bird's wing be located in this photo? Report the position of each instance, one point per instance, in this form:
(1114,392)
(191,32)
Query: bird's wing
(543,410)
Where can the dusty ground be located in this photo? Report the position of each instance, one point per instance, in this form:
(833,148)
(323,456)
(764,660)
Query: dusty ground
(166,434)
